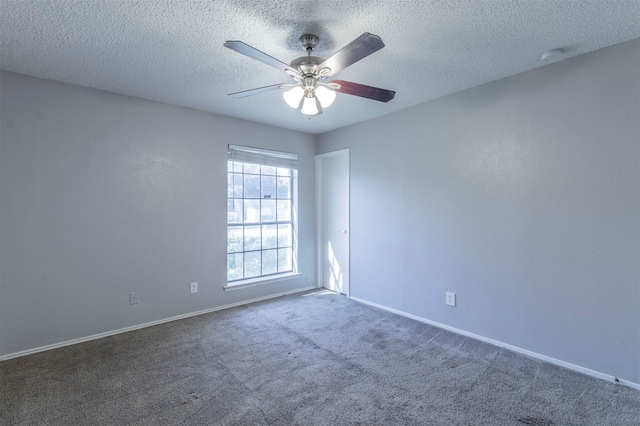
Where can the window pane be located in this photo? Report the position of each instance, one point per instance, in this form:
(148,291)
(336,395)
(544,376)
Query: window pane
(284,210)
(252,264)
(268,189)
(251,211)
(283,172)
(252,168)
(234,266)
(229,165)
(284,260)
(268,213)
(269,236)
(252,237)
(234,210)
(284,235)
(284,187)
(268,170)
(237,167)
(237,185)
(251,186)
(229,185)
(269,262)
(234,239)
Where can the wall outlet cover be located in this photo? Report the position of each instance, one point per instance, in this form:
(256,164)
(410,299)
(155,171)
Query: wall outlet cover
(194,288)
(450,298)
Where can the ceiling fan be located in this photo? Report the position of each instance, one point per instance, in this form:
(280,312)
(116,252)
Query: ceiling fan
(310,91)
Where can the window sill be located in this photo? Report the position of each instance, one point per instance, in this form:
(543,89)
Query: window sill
(237,285)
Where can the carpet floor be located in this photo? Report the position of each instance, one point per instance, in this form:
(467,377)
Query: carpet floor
(315,358)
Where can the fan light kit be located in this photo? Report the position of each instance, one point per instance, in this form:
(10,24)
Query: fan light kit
(310,92)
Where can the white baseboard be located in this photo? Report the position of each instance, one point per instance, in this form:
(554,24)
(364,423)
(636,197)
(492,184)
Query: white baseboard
(148,324)
(529,353)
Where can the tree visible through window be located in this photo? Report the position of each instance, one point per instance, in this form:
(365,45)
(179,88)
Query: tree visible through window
(260,219)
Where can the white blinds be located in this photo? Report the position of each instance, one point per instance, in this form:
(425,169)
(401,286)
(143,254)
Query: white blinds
(262,156)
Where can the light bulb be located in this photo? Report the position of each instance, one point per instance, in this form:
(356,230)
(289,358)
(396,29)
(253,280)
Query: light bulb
(325,96)
(309,106)
(294,96)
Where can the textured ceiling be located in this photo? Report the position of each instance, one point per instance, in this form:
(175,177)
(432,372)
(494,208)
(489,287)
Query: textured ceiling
(172,51)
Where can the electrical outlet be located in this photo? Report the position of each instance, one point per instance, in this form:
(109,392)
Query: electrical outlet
(133,298)
(450,298)
(194,288)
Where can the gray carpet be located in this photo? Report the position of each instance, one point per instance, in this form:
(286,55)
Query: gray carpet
(309,359)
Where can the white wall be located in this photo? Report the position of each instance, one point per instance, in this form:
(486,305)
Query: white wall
(523,197)
(102,195)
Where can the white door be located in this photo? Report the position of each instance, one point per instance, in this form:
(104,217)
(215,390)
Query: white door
(333,220)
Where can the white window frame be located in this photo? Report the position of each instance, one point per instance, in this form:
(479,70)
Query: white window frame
(279,159)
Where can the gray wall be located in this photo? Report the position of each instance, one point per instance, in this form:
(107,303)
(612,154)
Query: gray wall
(102,195)
(523,197)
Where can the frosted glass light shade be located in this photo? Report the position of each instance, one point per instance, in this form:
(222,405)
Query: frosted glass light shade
(309,106)
(325,96)
(294,96)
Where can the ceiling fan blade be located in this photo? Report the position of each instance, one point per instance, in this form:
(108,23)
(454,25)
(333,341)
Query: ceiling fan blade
(259,90)
(359,48)
(254,53)
(369,92)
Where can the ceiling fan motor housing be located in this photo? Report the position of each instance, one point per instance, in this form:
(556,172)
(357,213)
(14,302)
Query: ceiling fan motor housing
(307,64)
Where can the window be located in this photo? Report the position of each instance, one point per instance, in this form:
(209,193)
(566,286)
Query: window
(261,227)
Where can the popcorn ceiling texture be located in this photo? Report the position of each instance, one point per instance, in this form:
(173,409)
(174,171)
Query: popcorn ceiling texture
(172,51)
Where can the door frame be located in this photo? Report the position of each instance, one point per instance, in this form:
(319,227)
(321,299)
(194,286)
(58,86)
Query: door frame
(320,219)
